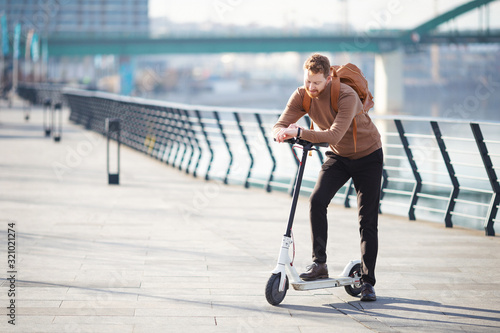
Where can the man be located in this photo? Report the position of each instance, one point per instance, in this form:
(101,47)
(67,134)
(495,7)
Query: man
(361,160)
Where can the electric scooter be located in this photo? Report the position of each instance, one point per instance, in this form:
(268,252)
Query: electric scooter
(278,283)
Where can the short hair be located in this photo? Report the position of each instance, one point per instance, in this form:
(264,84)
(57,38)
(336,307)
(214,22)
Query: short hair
(318,63)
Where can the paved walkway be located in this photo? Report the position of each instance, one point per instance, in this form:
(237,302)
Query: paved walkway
(165,252)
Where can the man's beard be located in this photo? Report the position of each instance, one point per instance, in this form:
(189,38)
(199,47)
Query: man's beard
(315,94)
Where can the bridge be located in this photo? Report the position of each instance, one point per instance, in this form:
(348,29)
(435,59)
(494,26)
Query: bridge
(387,45)
(378,41)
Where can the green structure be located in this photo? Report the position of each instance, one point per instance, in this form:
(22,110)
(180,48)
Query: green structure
(380,41)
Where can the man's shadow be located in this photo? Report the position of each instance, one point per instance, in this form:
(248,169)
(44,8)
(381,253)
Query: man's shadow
(424,312)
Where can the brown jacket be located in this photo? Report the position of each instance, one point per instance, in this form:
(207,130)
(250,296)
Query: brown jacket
(334,127)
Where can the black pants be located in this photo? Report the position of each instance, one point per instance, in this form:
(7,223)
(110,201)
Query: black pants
(366,174)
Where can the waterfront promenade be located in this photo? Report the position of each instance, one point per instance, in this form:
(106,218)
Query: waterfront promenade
(166,252)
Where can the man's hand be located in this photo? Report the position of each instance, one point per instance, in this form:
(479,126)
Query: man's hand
(287,133)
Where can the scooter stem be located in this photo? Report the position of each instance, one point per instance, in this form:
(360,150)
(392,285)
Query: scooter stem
(306,148)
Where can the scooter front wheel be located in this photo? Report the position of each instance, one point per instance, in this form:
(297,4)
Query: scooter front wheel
(354,289)
(273,295)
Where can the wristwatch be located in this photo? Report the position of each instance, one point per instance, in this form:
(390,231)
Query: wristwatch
(298,133)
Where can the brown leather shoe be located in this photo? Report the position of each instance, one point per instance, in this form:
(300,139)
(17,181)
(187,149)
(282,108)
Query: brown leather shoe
(368,293)
(314,272)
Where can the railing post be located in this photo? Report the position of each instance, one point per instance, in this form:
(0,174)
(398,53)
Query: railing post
(47,117)
(113,126)
(271,175)
(181,138)
(187,138)
(182,134)
(89,117)
(169,136)
(238,121)
(217,117)
(492,176)
(27,108)
(154,138)
(192,138)
(385,181)
(162,135)
(57,128)
(414,169)
(293,180)
(177,135)
(320,155)
(451,172)
(348,192)
(205,135)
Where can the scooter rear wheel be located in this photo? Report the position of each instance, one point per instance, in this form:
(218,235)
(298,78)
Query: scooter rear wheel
(354,289)
(273,295)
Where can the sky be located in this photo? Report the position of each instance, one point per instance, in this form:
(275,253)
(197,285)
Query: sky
(361,14)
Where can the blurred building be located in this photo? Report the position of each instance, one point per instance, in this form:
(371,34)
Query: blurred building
(78,16)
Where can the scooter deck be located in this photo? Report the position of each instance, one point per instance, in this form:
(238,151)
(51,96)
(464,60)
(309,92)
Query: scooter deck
(331,282)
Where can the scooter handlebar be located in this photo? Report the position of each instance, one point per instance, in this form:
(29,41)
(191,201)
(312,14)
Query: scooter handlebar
(303,142)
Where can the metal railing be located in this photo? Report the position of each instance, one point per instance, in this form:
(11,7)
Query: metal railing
(434,169)
(448,167)
(40,93)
